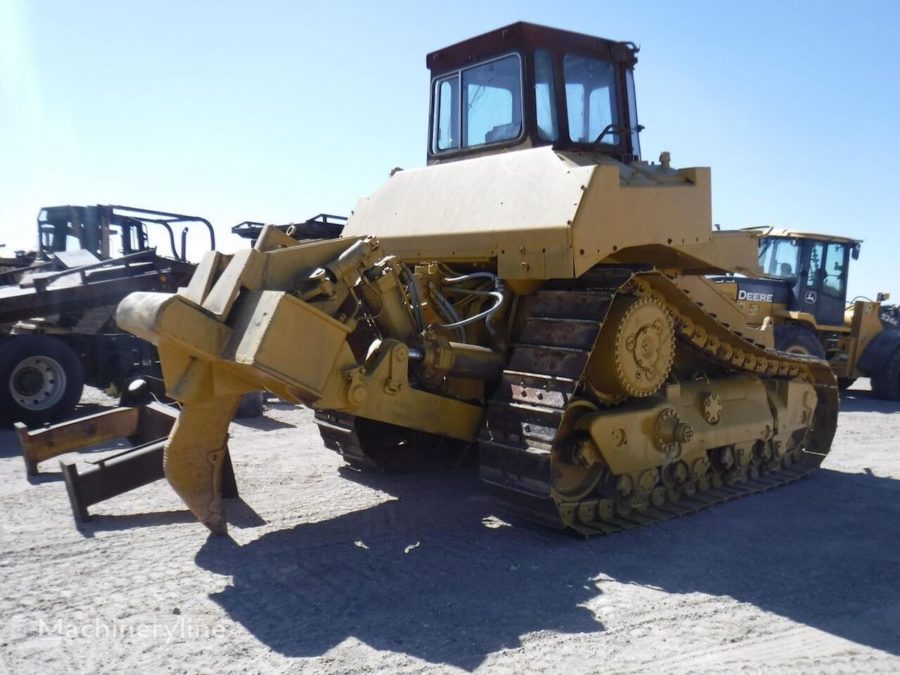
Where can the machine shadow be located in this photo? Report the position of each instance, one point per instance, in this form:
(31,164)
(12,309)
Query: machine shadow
(262,423)
(9,445)
(128,521)
(240,515)
(857,400)
(428,573)
(433,575)
(823,552)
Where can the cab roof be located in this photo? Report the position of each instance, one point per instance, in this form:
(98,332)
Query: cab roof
(771,231)
(524,36)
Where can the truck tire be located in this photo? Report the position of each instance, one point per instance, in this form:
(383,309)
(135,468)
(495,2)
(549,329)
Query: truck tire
(798,339)
(886,382)
(41,379)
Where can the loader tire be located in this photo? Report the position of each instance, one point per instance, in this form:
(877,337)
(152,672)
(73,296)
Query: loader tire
(886,382)
(798,339)
(890,316)
(844,383)
(41,380)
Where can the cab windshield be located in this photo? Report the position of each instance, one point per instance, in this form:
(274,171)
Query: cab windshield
(779,257)
(478,105)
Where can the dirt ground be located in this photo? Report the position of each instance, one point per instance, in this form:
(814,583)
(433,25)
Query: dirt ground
(327,570)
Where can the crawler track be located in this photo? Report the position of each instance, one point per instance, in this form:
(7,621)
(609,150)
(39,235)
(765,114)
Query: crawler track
(366,444)
(526,419)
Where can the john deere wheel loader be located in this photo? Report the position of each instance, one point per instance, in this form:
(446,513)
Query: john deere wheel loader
(537,293)
(803,294)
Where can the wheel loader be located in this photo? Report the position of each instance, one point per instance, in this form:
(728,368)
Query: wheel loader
(537,295)
(803,294)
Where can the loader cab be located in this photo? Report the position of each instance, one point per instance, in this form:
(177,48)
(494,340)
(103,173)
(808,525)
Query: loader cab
(526,86)
(813,268)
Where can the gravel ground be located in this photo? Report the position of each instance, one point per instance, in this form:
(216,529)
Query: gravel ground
(328,570)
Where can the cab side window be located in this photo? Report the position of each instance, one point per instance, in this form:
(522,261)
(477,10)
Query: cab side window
(545,96)
(834,269)
(478,105)
(816,260)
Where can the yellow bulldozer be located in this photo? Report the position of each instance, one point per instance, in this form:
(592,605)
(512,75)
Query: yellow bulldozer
(537,294)
(802,293)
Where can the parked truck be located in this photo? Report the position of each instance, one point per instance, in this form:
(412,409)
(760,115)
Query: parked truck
(57,331)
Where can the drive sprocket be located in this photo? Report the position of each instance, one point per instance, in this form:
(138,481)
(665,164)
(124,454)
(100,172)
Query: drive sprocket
(635,351)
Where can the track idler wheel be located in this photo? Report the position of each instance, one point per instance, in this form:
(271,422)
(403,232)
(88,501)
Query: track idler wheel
(577,464)
(635,350)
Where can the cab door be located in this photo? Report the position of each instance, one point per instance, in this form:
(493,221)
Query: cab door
(822,286)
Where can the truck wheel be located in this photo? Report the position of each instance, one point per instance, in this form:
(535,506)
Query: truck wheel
(886,382)
(798,339)
(41,379)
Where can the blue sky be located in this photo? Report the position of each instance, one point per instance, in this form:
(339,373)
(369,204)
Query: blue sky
(275,111)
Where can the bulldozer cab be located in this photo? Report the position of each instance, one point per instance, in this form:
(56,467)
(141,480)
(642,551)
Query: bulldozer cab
(814,268)
(525,86)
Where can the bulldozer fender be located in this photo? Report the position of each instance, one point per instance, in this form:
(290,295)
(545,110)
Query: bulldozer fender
(880,349)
